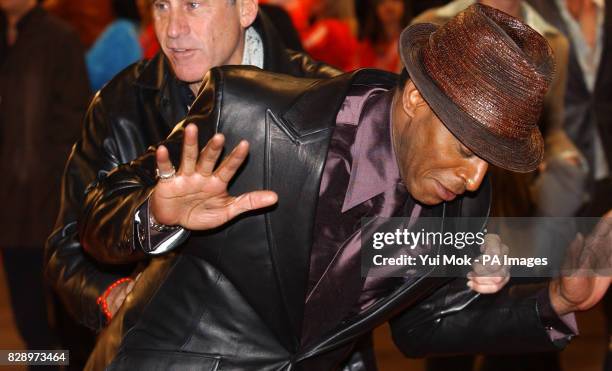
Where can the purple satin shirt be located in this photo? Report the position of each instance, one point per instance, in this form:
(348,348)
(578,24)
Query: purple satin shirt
(361,179)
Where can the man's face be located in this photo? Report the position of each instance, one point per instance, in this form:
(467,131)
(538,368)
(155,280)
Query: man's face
(434,165)
(390,11)
(198,35)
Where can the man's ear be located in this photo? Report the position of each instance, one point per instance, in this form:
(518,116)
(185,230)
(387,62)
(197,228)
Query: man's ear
(411,99)
(248,11)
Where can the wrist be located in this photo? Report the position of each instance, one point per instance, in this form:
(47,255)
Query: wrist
(102,300)
(560,305)
(154,222)
(156,226)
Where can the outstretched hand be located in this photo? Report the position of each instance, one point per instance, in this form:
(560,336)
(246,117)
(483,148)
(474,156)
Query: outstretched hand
(587,271)
(196,197)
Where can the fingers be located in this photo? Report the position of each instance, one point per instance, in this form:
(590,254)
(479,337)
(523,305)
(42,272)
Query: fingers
(204,161)
(603,228)
(571,262)
(489,286)
(189,155)
(232,163)
(210,155)
(164,165)
(490,263)
(492,244)
(251,201)
(489,275)
(498,278)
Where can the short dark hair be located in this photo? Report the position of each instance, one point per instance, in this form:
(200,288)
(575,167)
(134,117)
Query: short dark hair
(403,78)
(126,9)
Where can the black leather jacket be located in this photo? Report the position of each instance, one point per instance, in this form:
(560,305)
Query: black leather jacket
(137,109)
(232,299)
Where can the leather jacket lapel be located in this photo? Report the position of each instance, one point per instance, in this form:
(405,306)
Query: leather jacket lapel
(298,140)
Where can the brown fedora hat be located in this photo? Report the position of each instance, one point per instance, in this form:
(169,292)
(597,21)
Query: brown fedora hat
(484,74)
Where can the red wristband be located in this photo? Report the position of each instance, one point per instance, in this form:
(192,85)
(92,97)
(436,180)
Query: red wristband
(101,301)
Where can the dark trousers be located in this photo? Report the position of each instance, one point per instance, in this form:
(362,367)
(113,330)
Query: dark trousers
(24,267)
(521,362)
(40,318)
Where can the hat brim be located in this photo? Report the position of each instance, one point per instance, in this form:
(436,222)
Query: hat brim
(513,154)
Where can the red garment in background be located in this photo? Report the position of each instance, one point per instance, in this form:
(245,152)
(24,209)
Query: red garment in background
(149,43)
(299,11)
(331,41)
(88,17)
(388,59)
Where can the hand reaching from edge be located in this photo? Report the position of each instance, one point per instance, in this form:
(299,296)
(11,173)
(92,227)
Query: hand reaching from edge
(489,279)
(196,198)
(588,261)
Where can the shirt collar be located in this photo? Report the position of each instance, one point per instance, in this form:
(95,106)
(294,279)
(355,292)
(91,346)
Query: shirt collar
(253,54)
(374,168)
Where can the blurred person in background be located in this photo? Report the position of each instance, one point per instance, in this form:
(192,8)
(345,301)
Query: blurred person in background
(414,8)
(283,23)
(330,36)
(298,10)
(420,6)
(43,95)
(138,108)
(588,117)
(117,47)
(380,35)
(148,40)
(588,113)
(88,17)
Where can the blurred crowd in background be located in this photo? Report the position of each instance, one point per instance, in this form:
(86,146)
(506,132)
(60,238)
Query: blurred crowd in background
(55,54)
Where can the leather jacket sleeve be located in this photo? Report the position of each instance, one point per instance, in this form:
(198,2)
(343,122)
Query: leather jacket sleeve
(107,224)
(75,276)
(506,322)
(308,67)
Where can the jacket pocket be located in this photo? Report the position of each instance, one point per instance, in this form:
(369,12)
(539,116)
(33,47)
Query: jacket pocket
(152,360)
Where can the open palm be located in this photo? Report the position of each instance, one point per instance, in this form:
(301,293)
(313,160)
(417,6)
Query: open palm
(196,198)
(587,270)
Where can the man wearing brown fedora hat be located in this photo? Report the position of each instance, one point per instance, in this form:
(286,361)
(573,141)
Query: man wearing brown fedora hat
(241,278)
